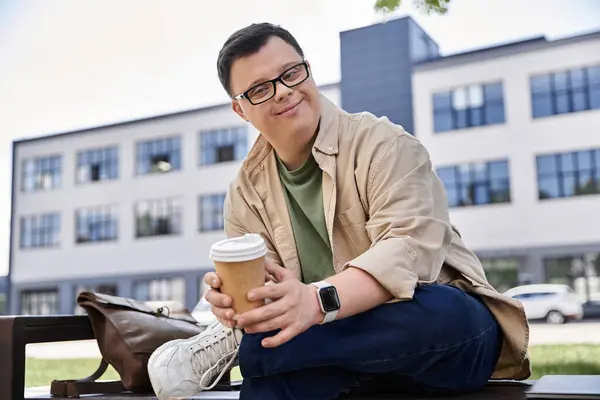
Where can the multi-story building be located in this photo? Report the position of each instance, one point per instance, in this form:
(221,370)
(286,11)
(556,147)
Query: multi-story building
(132,208)
(513,133)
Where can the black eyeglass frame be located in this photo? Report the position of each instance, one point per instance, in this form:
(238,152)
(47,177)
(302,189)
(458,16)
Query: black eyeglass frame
(274,83)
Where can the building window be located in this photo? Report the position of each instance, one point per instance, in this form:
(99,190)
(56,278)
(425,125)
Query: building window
(476,183)
(468,106)
(96,224)
(211,212)
(97,165)
(568,174)
(40,230)
(565,91)
(502,273)
(158,217)
(110,289)
(41,174)
(168,289)
(223,145)
(158,156)
(39,302)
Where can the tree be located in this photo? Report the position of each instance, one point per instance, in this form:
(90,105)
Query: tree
(428,6)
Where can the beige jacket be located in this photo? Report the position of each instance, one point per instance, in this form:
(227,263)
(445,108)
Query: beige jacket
(386,213)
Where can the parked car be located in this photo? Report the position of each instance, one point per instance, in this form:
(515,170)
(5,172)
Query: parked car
(554,303)
(591,308)
(202,313)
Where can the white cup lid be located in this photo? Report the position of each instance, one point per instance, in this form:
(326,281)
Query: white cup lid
(244,248)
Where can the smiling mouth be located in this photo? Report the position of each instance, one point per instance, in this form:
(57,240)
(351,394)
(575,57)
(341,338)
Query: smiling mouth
(289,108)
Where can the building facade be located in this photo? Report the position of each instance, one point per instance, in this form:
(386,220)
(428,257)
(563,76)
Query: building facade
(129,209)
(513,134)
(132,208)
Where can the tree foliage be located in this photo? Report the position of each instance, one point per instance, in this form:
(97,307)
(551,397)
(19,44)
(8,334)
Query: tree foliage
(427,6)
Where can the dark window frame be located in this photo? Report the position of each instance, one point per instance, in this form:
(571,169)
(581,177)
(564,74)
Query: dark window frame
(165,148)
(34,169)
(212,144)
(28,295)
(103,161)
(164,217)
(561,175)
(40,231)
(495,189)
(210,219)
(101,224)
(565,96)
(470,116)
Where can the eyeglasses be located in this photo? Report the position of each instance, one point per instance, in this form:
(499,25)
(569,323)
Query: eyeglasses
(262,92)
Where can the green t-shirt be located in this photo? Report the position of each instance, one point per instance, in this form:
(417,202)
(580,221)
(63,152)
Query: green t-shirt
(304,197)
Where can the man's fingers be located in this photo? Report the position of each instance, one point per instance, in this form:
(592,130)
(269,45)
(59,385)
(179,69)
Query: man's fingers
(272,292)
(222,312)
(212,280)
(218,299)
(278,272)
(284,336)
(261,314)
(227,322)
(268,325)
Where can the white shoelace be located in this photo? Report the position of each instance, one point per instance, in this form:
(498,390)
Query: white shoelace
(215,347)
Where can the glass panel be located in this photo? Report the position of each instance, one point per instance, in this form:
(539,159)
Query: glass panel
(494,113)
(562,103)
(569,184)
(493,92)
(475,96)
(594,96)
(546,164)
(567,162)
(442,101)
(460,99)
(453,196)
(561,80)
(593,75)
(578,78)
(540,84)
(447,175)
(541,105)
(442,121)
(579,100)
(548,187)
(498,170)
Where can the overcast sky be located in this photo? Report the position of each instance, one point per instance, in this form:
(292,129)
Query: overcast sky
(70,64)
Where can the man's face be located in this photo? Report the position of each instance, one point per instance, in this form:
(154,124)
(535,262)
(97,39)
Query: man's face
(290,118)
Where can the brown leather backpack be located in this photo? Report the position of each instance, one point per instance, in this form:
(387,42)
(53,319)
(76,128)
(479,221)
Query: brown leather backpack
(128,332)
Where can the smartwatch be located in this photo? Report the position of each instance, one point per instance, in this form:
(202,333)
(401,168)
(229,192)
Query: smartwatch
(328,300)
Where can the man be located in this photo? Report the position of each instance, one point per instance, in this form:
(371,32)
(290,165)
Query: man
(371,281)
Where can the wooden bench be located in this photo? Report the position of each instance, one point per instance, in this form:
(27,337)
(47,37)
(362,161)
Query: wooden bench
(18,331)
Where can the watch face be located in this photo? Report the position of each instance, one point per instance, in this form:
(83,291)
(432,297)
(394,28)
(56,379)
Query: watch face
(330,299)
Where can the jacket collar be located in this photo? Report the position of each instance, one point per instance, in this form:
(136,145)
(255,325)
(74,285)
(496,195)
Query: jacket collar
(326,141)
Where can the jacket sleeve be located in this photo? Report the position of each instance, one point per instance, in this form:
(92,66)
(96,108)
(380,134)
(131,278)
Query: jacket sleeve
(408,221)
(234,228)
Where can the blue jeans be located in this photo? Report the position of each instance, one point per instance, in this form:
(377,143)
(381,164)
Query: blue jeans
(442,340)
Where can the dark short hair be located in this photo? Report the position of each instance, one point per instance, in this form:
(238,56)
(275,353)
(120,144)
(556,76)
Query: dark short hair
(248,41)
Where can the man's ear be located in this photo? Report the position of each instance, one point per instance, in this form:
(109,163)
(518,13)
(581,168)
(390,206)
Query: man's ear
(235,106)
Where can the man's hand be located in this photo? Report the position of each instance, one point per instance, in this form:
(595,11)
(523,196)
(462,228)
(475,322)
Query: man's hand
(294,308)
(221,303)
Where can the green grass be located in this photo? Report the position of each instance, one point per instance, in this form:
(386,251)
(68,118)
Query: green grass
(581,359)
(546,360)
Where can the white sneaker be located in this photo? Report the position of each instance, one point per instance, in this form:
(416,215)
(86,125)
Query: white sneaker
(184,367)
